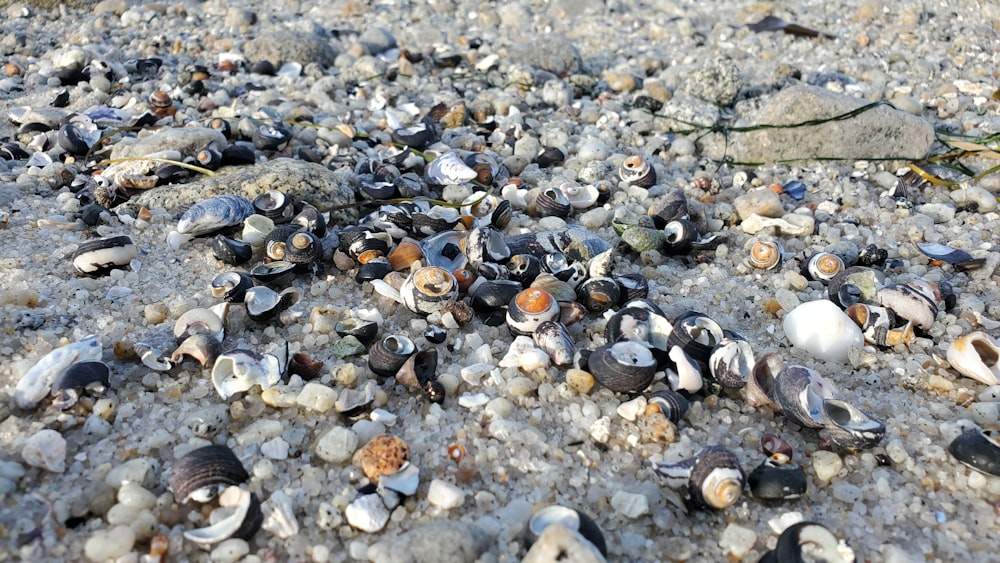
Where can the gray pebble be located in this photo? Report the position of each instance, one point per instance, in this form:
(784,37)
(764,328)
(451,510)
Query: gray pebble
(438,542)
(281,46)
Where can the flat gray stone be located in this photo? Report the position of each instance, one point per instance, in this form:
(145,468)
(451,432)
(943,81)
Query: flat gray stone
(554,53)
(881,132)
(438,542)
(296,178)
(283,45)
(187,140)
(558,543)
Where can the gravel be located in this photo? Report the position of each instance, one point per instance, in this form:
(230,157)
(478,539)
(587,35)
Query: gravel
(566,74)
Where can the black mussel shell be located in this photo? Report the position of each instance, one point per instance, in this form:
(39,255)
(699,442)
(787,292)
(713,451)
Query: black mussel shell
(361,329)
(623,367)
(264,304)
(238,154)
(90,374)
(769,481)
(388,354)
(417,136)
(230,251)
(273,137)
(672,206)
(211,467)
(71,140)
(97,257)
(374,269)
(264,67)
(493,295)
(252,522)
(11,151)
(570,518)
(978,449)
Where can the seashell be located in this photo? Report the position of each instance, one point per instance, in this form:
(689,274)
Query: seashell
(203,348)
(978,449)
(760,385)
(631,286)
(524,268)
(419,369)
(303,247)
(382,455)
(256,228)
(152,357)
(822,545)
(276,242)
(580,197)
(824,266)
(697,334)
(387,355)
(278,272)
(160,99)
(230,251)
(417,136)
(637,171)
(97,257)
(73,140)
(274,205)
(547,202)
(823,330)
(449,169)
(239,370)
(485,244)
(623,367)
(792,224)
(770,481)
(404,255)
(856,284)
(961,259)
(686,372)
(530,308)
(428,289)
(502,215)
(670,403)
(311,219)
(561,290)
(549,157)
(231,286)
(493,295)
(546,242)
(795,190)
(597,266)
(872,256)
(681,236)
(405,481)
(598,294)
(363,330)
(557,264)
(731,362)
(264,304)
(800,393)
(444,250)
(766,254)
(571,519)
(241,518)
(353,403)
(777,449)
(643,239)
(271,137)
(214,214)
(209,156)
(221,125)
(202,321)
(876,324)
(553,339)
(88,375)
(849,427)
(976,355)
(203,473)
(304,366)
(669,207)
(913,302)
(639,324)
(714,477)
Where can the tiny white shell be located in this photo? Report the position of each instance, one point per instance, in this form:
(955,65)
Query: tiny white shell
(822,329)
(976,355)
(234,505)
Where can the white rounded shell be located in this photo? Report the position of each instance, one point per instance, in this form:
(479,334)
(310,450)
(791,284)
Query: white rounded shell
(822,329)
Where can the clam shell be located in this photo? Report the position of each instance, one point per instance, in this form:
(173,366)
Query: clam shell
(97,257)
(823,330)
(623,367)
(800,393)
(766,254)
(977,449)
(530,308)
(570,518)
(214,214)
(239,370)
(553,338)
(387,355)
(204,472)
(771,482)
(849,427)
(976,355)
(428,289)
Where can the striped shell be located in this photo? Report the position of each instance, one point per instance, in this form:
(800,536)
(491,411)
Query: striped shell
(766,254)
(824,266)
(215,214)
(637,171)
(529,309)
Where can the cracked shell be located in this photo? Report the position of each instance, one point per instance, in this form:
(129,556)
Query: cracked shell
(849,427)
(976,355)
(204,472)
(428,289)
(239,370)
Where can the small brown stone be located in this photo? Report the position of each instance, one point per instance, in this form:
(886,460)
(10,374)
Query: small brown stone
(383,455)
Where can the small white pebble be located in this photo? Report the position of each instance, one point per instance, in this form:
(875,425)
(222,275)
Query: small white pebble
(367,513)
(385,417)
(275,448)
(109,544)
(337,445)
(737,541)
(630,505)
(46,449)
(132,494)
(317,397)
(826,465)
(445,495)
(230,550)
(473,400)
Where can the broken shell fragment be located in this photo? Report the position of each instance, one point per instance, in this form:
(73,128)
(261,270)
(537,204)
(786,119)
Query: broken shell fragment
(239,516)
(809,541)
(36,383)
(917,302)
(976,355)
(382,455)
(239,370)
(571,519)
(978,449)
(202,321)
(204,472)
(88,375)
(713,478)
(203,348)
(760,386)
(731,362)
(849,427)
(98,257)
(800,393)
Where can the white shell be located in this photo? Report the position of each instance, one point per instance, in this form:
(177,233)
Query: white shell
(234,505)
(688,375)
(792,224)
(367,513)
(448,168)
(239,370)
(580,197)
(405,481)
(976,355)
(202,321)
(279,518)
(822,329)
(256,228)
(35,384)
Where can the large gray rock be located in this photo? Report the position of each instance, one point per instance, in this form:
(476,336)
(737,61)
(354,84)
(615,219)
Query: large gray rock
(881,132)
(438,542)
(554,53)
(283,45)
(296,178)
(187,140)
(559,543)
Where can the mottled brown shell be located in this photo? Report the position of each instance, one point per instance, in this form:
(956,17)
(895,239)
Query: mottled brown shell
(383,455)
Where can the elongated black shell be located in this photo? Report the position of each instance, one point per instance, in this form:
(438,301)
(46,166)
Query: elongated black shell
(977,450)
(230,251)
(83,374)
(97,257)
(209,466)
(777,482)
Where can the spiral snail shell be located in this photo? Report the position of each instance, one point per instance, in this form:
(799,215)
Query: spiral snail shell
(766,254)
